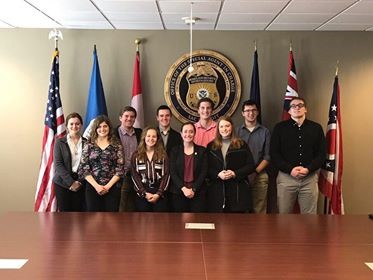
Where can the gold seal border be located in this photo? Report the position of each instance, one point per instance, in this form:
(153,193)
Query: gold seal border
(185,58)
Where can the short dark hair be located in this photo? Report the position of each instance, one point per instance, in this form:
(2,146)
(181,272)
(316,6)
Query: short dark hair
(74,115)
(298,98)
(163,107)
(206,99)
(249,102)
(127,109)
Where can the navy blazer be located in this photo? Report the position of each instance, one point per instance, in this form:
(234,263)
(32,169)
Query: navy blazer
(177,168)
(62,163)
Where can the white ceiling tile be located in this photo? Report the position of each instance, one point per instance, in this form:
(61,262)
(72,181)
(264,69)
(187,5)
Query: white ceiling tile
(177,18)
(302,18)
(260,7)
(320,6)
(344,27)
(88,25)
(214,14)
(361,7)
(139,6)
(246,18)
(133,17)
(4,25)
(175,26)
(20,14)
(241,26)
(184,7)
(291,26)
(346,19)
(138,25)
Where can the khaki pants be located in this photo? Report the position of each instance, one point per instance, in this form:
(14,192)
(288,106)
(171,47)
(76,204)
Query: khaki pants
(259,188)
(290,189)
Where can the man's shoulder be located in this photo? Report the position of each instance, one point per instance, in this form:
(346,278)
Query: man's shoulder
(284,123)
(313,123)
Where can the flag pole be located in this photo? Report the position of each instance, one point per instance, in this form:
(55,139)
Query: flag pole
(336,68)
(55,34)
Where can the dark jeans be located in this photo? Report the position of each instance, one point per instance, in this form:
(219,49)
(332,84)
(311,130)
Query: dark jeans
(103,203)
(69,201)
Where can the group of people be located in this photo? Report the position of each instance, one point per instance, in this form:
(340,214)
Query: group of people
(206,167)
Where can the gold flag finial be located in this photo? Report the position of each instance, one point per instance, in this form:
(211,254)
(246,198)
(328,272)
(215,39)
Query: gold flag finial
(137,42)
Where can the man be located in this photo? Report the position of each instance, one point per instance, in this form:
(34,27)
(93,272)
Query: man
(258,138)
(298,150)
(130,138)
(170,137)
(205,127)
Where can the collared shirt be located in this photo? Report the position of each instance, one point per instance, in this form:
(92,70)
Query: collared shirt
(293,145)
(258,141)
(164,134)
(204,135)
(129,143)
(76,152)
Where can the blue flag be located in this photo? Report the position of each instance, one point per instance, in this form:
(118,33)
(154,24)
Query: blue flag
(96,99)
(255,88)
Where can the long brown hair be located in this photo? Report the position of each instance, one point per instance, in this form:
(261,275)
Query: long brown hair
(96,123)
(159,151)
(217,143)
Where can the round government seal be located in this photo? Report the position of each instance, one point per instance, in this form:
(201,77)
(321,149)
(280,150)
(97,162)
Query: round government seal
(213,76)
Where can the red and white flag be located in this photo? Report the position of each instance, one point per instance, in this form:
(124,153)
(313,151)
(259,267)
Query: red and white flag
(136,101)
(292,87)
(54,127)
(330,180)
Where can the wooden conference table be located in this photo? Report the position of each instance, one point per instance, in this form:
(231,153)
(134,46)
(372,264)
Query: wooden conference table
(157,246)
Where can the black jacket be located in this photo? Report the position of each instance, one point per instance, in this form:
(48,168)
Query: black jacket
(174,139)
(177,168)
(231,195)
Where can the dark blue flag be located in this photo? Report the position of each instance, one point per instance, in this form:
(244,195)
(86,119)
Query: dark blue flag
(96,99)
(255,88)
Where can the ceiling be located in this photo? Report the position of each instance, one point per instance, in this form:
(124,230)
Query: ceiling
(318,15)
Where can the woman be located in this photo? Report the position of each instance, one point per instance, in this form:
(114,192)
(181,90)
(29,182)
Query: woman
(67,153)
(150,172)
(229,163)
(102,166)
(188,169)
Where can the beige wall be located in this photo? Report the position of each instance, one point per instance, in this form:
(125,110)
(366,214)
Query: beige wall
(25,61)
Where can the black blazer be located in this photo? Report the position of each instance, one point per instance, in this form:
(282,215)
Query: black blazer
(138,132)
(177,168)
(174,139)
(62,163)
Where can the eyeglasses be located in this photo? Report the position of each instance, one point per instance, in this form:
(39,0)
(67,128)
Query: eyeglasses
(299,106)
(250,111)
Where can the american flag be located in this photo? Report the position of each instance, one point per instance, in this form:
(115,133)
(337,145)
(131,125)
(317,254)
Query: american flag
(54,127)
(292,87)
(136,101)
(330,180)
